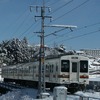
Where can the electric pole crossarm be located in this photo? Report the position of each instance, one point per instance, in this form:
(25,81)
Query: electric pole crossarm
(38,7)
(62,26)
(59,26)
(44,16)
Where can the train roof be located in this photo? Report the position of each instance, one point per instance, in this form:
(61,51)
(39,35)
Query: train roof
(75,56)
(65,55)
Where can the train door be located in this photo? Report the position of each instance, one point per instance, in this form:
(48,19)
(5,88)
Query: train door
(51,73)
(74,71)
(56,72)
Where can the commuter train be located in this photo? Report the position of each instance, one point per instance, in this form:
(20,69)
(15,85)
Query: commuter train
(69,70)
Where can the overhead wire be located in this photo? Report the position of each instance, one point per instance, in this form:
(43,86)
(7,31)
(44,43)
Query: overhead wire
(61,7)
(57,10)
(54,2)
(81,35)
(31,26)
(26,30)
(39,18)
(83,27)
(20,25)
(15,21)
(71,10)
(53,33)
(31,33)
(19,16)
(78,36)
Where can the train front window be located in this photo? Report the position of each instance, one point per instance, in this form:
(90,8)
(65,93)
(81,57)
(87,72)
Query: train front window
(83,66)
(65,65)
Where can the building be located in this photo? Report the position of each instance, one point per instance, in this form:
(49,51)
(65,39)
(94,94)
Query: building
(92,52)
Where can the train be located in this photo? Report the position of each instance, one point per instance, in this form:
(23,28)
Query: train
(71,71)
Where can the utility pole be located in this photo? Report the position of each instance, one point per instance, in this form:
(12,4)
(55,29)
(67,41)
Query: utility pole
(41,71)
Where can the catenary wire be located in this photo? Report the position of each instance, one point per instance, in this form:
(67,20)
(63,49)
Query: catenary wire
(61,7)
(57,10)
(93,32)
(71,10)
(84,27)
(21,24)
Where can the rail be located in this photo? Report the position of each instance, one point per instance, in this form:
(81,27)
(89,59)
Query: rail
(10,86)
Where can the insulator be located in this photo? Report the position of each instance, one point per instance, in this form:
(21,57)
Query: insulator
(36,8)
(30,9)
(35,18)
(49,9)
(51,19)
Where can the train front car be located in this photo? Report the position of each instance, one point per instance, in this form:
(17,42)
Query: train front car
(68,70)
(74,72)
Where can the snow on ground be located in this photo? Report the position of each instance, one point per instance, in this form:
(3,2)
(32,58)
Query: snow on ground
(90,94)
(23,94)
(30,94)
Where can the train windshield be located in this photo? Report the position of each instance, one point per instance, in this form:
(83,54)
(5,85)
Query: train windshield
(83,66)
(65,65)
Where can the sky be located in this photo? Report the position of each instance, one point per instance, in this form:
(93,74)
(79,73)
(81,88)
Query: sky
(17,21)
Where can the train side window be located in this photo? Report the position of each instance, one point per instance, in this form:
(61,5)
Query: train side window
(84,66)
(65,65)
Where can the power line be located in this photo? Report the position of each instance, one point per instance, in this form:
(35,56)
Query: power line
(86,26)
(71,10)
(33,32)
(54,2)
(80,35)
(21,24)
(12,24)
(58,9)
(61,6)
(26,30)
(20,16)
(53,33)
(83,27)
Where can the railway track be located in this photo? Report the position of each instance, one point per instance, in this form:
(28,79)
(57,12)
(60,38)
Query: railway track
(10,86)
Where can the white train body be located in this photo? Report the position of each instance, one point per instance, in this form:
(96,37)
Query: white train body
(60,70)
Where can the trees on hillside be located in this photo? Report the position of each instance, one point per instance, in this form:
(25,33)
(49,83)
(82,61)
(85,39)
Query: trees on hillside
(15,51)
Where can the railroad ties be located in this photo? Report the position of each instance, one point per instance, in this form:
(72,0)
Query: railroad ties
(10,86)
